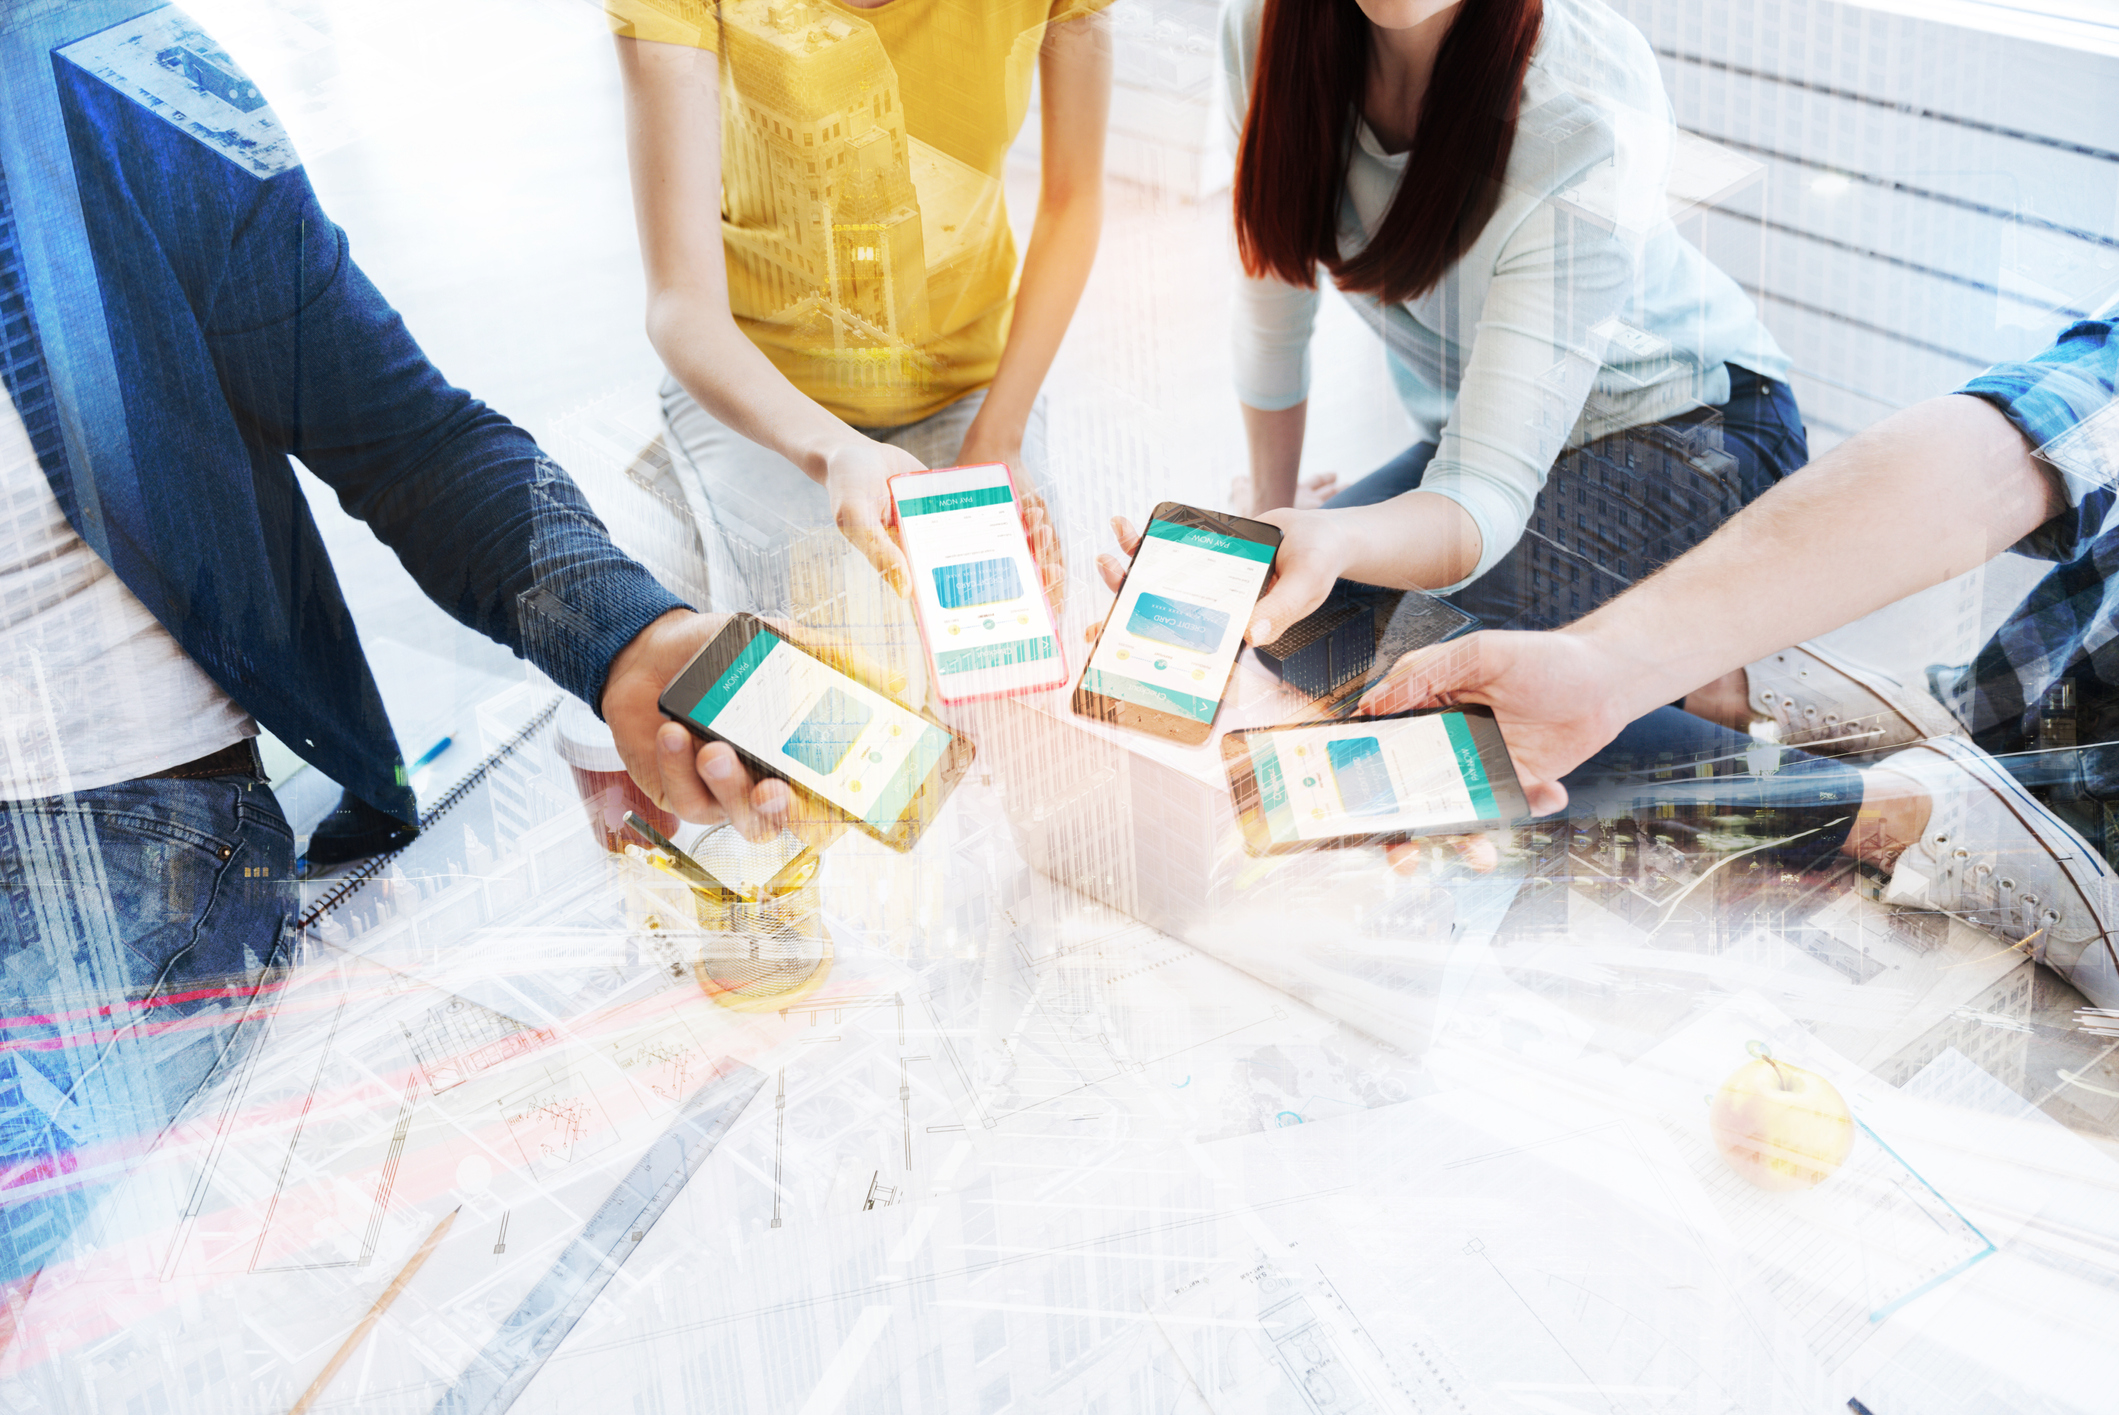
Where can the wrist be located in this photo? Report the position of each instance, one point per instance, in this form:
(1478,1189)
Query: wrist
(637,650)
(1634,664)
(995,431)
(820,448)
(1273,488)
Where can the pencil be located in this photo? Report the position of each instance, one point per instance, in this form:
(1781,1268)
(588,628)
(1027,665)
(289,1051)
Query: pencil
(375,1313)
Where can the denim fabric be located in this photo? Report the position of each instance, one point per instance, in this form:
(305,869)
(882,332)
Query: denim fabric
(202,322)
(139,935)
(1614,510)
(1671,757)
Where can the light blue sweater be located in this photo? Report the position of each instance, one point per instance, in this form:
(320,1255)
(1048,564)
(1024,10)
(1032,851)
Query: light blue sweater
(1578,311)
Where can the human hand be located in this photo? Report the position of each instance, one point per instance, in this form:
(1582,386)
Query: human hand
(1315,549)
(983,448)
(706,782)
(1304,571)
(1111,567)
(1557,697)
(857,475)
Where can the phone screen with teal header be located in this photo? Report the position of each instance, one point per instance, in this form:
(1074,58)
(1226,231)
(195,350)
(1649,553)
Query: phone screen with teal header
(1366,777)
(1178,625)
(821,729)
(975,585)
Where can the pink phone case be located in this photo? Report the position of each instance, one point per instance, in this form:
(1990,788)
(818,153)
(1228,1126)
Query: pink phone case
(934,674)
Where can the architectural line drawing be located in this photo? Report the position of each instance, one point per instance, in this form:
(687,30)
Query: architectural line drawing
(534,1330)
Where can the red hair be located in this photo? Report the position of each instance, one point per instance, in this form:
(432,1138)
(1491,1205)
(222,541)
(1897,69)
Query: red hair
(1313,58)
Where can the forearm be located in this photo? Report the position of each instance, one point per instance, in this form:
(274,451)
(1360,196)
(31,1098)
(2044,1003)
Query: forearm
(707,353)
(1925,495)
(1419,540)
(1074,75)
(1055,271)
(1275,440)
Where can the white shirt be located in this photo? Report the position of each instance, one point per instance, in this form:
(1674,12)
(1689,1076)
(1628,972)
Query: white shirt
(1578,310)
(93,690)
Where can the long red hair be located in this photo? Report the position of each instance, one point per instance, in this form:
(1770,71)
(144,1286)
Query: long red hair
(1313,58)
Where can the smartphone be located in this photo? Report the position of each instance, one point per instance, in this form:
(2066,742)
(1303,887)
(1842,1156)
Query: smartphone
(978,593)
(1371,780)
(881,766)
(1172,637)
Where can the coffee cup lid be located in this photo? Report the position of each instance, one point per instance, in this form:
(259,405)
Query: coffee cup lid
(584,741)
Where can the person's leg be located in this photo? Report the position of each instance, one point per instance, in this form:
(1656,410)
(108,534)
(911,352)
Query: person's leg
(141,927)
(1394,478)
(761,519)
(1672,759)
(1955,832)
(1614,510)
(1763,430)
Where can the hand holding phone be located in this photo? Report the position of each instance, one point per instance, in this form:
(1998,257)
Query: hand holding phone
(847,751)
(1371,780)
(978,592)
(1163,657)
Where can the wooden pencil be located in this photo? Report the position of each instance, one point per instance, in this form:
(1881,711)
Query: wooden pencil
(375,1313)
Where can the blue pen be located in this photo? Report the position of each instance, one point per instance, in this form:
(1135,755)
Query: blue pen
(432,752)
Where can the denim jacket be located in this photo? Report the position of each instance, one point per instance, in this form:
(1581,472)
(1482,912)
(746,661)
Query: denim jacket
(200,322)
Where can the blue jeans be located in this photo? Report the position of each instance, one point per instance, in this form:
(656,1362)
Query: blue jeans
(142,928)
(1610,513)
(1615,509)
(1673,760)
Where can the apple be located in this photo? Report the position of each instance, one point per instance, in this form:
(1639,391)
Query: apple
(1779,1126)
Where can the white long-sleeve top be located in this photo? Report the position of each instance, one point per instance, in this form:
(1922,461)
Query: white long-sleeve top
(1578,311)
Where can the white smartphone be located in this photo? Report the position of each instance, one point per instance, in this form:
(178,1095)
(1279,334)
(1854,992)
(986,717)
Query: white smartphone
(984,617)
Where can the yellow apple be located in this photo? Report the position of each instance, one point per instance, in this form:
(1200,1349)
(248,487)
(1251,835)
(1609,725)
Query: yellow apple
(1779,1126)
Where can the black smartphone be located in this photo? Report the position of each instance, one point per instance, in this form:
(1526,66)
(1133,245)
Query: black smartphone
(1371,780)
(878,764)
(1166,650)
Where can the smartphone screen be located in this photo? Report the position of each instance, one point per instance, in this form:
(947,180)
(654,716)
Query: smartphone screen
(1179,622)
(979,593)
(822,730)
(1379,776)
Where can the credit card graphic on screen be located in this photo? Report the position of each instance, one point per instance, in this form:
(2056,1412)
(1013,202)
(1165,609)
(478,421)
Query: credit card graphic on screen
(828,732)
(1363,778)
(1174,622)
(978,591)
(980,582)
(1172,637)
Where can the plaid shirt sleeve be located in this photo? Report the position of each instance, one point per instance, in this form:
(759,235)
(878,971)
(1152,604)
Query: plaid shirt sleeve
(2063,401)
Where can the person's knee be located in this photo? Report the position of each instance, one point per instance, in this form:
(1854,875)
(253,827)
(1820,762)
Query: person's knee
(1401,474)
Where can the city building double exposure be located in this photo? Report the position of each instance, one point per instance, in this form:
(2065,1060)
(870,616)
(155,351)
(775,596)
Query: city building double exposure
(1573,863)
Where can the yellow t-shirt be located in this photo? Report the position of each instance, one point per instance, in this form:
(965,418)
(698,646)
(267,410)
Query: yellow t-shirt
(868,246)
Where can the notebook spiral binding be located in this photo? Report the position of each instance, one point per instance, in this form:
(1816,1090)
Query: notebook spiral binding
(345,887)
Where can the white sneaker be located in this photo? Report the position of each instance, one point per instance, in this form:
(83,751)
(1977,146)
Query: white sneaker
(1997,859)
(1832,708)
